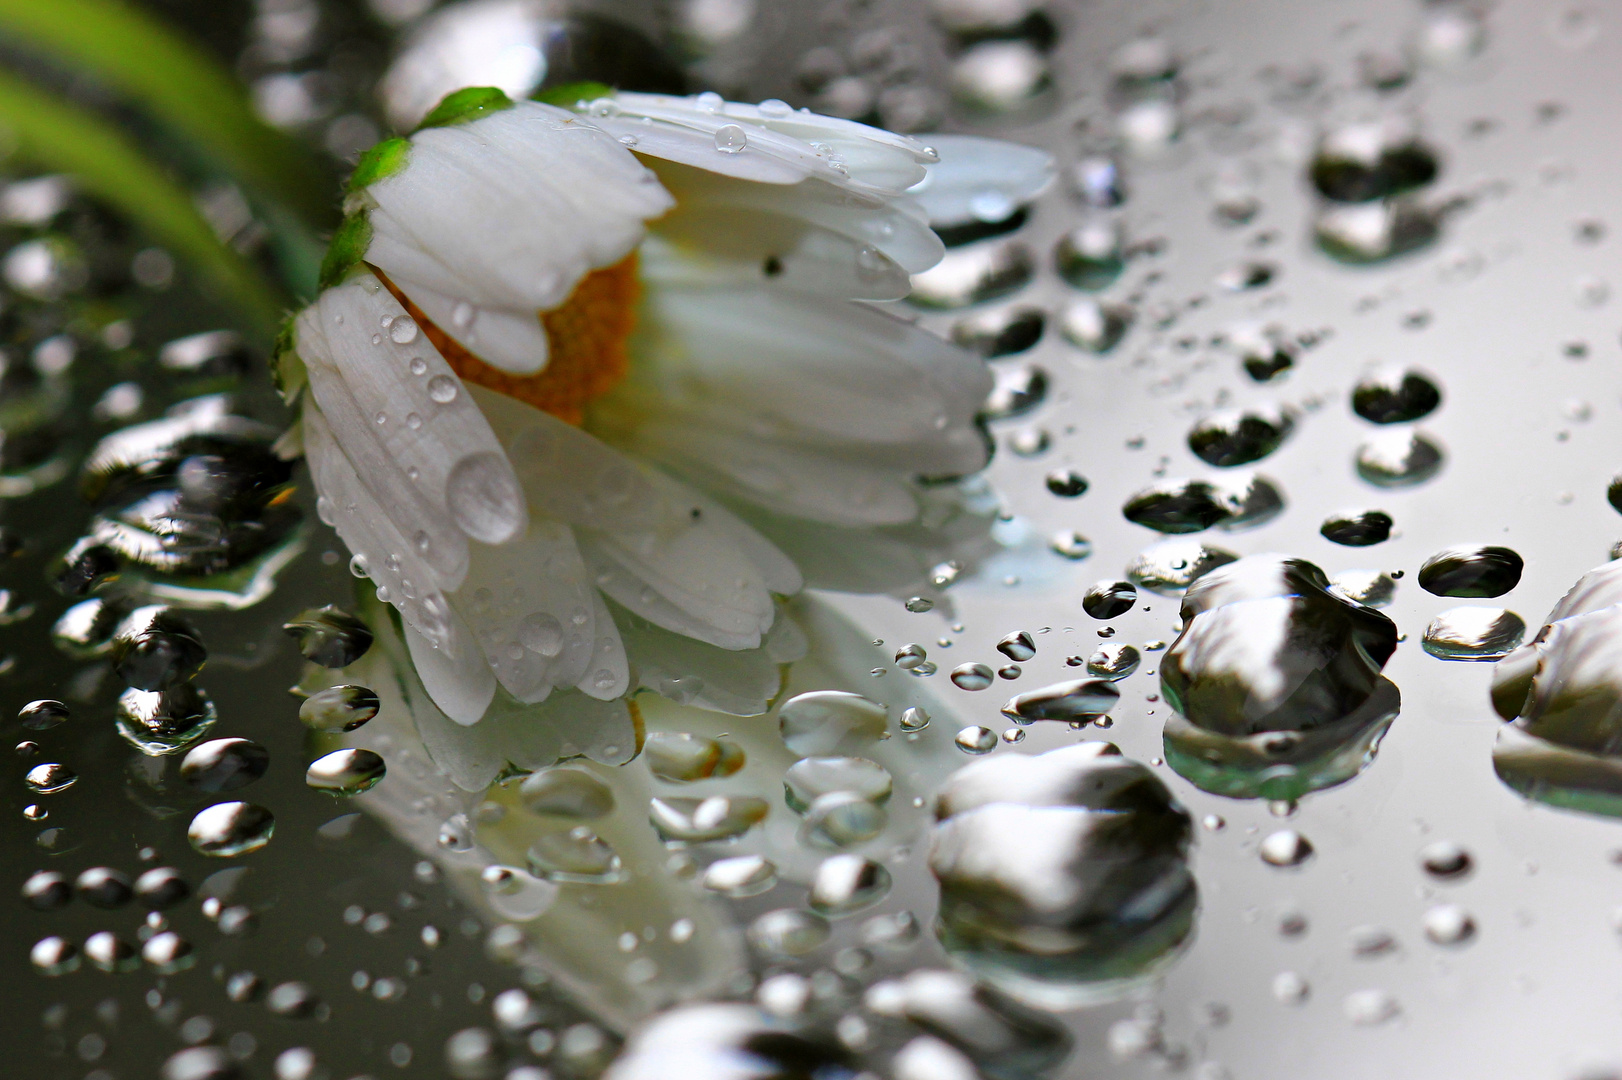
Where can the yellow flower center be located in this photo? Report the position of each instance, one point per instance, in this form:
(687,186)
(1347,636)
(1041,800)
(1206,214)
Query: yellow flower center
(587,340)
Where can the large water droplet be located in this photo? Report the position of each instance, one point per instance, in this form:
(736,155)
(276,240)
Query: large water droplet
(681,758)
(740,876)
(155,648)
(846,884)
(810,778)
(1399,458)
(1109,599)
(50,777)
(1078,700)
(345,772)
(1357,528)
(42,715)
(1473,633)
(787,933)
(1395,396)
(567,792)
(103,887)
(224,765)
(972,676)
(718,817)
(1237,438)
(1477,572)
(231,828)
(1018,646)
(1093,325)
(841,819)
(1113,660)
(1449,924)
(484,498)
(826,722)
(158,722)
(731,139)
(329,637)
(1090,255)
(1285,848)
(339,708)
(577,856)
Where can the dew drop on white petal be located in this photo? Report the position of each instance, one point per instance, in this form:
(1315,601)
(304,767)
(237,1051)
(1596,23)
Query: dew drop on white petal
(422,542)
(403,331)
(418,365)
(484,498)
(414,421)
(442,388)
(730,138)
(381,418)
(462,315)
(628,140)
(709,101)
(776,108)
(541,633)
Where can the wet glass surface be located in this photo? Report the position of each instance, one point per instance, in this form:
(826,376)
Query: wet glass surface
(1327,283)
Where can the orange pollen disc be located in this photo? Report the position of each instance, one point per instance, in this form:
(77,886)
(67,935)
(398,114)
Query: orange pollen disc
(587,339)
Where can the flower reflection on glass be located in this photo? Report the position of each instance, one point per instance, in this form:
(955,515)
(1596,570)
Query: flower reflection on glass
(587,392)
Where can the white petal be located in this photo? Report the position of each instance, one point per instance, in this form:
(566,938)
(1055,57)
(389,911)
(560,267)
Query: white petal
(392,563)
(514,341)
(421,444)
(853,155)
(635,595)
(689,672)
(511,210)
(899,234)
(697,148)
(529,605)
(980,179)
(710,247)
(462,686)
(568,474)
(609,674)
(805,482)
(807,368)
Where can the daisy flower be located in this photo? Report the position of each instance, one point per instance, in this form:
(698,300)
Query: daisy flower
(575,370)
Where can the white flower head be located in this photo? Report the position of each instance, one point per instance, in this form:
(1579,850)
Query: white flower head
(573,366)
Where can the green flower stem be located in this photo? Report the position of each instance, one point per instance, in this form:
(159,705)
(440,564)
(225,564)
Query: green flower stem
(62,137)
(178,84)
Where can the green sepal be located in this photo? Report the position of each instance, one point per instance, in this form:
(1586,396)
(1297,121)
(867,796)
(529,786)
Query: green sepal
(570,94)
(286,365)
(383,160)
(466,105)
(347,249)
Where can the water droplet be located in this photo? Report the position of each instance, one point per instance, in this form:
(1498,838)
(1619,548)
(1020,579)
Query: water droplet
(914,719)
(1289,988)
(339,708)
(1181,506)
(1078,700)
(329,637)
(1018,646)
(1246,275)
(1449,924)
(1399,458)
(345,772)
(788,932)
(1171,566)
(46,891)
(831,721)
(740,876)
(161,887)
(1365,233)
(811,778)
(231,828)
(1113,660)
(1232,438)
(1477,572)
(910,656)
(292,999)
(698,820)
(50,777)
(1394,396)
(1093,325)
(167,952)
(403,331)
(841,819)
(1357,528)
(1373,588)
(1473,633)
(484,498)
(443,389)
(155,648)
(54,956)
(224,765)
(920,604)
(42,715)
(541,633)
(974,274)
(1000,332)
(1090,256)
(1368,1008)
(456,834)
(972,676)
(1071,545)
(730,139)
(1362,162)
(103,887)
(158,722)
(1056,886)
(1284,848)
(1017,391)
(846,884)
(1109,599)
(578,857)
(975,739)
(567,792)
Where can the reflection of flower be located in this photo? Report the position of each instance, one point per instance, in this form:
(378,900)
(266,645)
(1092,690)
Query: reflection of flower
(717,343)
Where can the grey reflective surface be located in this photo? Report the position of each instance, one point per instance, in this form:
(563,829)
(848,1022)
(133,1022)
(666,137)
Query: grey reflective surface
(1355,961)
